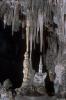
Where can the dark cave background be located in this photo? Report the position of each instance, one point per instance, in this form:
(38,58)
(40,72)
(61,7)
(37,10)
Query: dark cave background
(12,49)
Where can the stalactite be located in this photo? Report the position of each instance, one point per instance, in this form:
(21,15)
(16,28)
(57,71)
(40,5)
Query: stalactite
(31,37)
(5,20)
(31,31)
(34,34)
(15,22)
(37,35)
(40,19)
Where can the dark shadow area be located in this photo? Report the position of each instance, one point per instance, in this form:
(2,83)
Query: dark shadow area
(12,50)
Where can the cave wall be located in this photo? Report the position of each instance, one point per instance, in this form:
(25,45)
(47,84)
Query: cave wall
(51,48)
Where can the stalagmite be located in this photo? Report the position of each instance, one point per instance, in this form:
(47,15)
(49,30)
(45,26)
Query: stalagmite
(40,65)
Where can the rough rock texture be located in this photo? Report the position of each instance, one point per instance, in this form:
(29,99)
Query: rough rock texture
(35,98)
(52,51)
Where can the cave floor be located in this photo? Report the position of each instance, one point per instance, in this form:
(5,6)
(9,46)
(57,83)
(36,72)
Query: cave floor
(35,98)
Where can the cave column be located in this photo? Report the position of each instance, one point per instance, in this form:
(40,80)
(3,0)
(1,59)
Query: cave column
(26,63)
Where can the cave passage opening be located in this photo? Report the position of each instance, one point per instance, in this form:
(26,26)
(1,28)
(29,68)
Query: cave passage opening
(12,49)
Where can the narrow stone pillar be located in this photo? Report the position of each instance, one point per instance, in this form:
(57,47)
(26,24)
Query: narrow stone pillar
(26,63)
(40,65)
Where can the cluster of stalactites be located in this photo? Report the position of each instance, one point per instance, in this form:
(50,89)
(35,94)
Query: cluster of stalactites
(9,12)
(40,13)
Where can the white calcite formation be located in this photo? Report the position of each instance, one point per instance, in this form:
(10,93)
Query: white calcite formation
(39,79)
